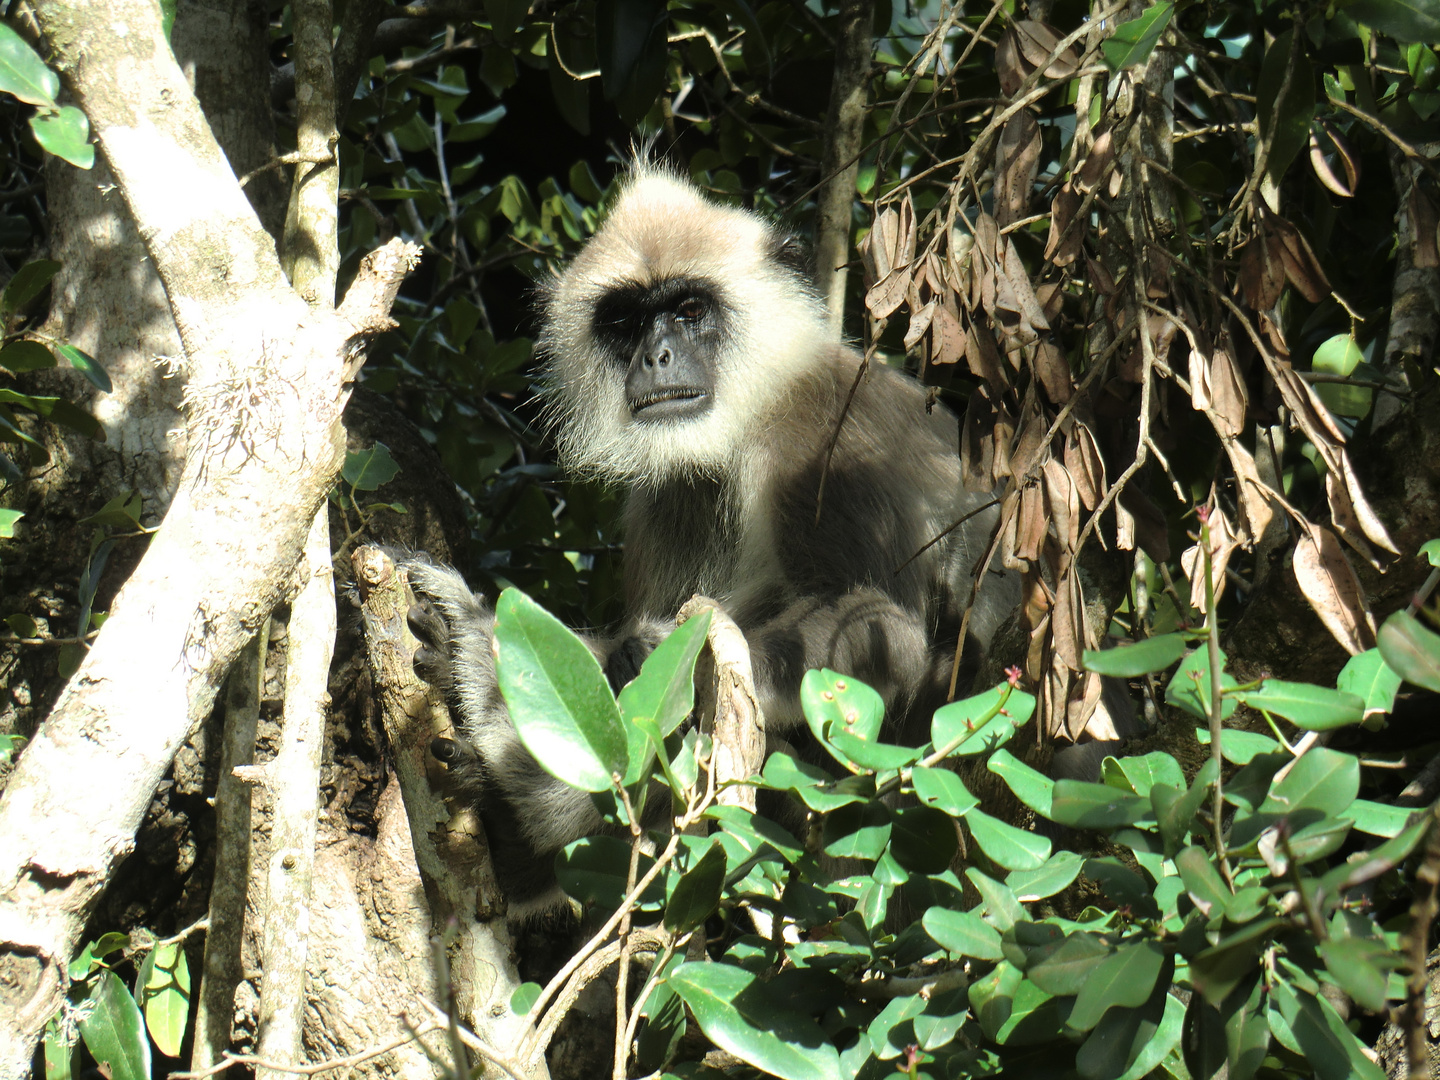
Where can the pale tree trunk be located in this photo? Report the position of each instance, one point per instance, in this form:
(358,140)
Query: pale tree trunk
(266,383)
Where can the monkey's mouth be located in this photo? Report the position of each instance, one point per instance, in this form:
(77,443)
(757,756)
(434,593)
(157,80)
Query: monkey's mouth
(674,403)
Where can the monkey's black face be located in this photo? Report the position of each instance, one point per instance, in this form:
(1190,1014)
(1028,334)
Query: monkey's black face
(666,338)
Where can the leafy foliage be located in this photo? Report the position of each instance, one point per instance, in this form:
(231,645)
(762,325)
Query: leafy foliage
(1206,944)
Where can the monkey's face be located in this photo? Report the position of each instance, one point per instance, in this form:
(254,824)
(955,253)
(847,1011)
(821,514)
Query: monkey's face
(666,338)
(674,335)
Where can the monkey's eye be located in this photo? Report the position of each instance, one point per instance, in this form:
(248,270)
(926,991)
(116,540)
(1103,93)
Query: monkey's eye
(691,309)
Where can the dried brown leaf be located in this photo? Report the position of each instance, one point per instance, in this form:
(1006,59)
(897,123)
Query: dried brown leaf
(1223,543)
(1097,162)
(1085,465)
(1030,523)
(1200,397)
(1037,41)
(1256,511)
(1067,622)
(1053,371)
(947,334)
(1229,397)
(1324,173)
(1329,583)
(1009,532)
(1063,502)
(1052,299)
(1032,315)
(1301,266)
(1262,273)
(1100,277)
(1010,65)
(1004,439)
(1030,443)
(919,323)
(1353,516)
(1017,160)
(1151,532)
(977,444)
(1065,244)
(983,357)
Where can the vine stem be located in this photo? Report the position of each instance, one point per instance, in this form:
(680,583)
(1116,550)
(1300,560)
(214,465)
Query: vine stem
(1212,644)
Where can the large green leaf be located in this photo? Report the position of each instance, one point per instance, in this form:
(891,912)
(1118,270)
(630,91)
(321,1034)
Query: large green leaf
(1134,41)
(1030,786)
(1005,845)
(1404,20)
(982,722)
(923,839)
(1321,779)
(943,790)
(1189,687)
(1142,658)
(27,283)
(1122,980)
(835,702)
(66,134)
(1412,651)
(559,700)
(1367,676)
(1329,1047)
(665,688)
(697,893)
(1313,708)
(630,46)
(1059,870)
(23,73)
(1285,122)
(594,871)
(1083,805)
(732,1008)
(962,933)
(162,990)
(114,1031)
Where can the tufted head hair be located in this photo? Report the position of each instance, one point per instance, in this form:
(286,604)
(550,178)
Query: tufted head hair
(662,229)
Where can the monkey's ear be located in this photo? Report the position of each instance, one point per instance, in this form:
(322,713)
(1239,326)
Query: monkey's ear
(792,253)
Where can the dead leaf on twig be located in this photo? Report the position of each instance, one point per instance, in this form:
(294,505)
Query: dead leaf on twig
(1329,583)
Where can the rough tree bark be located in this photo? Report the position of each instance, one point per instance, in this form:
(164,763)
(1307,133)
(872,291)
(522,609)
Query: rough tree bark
(267,379)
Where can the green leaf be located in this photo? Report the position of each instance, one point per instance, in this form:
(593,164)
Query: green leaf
(593,870)
(1239,747)
(630,47)
(70,415)
(1005,845)
(756,833)
(162,990)
(21,356)
(664,690)
(981,723)
(505,17)
(858,831)
(1123,886)
(8,518)
(1065,969)
(114,1031)
(1412,651)
(1313,708)
(1328,1046)
(1133,41)
(559,700)
(59,1054)
(1127,1043)
(733,1010)
(524,997)
(1367,676)
(121,512)
(876,756)
(86,364)
(697,893)
(1431,550)
(835,702)
(1002,910)
(1175,813)
(1202,881)
(1083,805)
(1219,969)
(1285,124)
(1321,779)
(1140,774)
(962,933)
(1404,20)
(1359,967)
(1059,871)
(1338,356)
(1142,658)
(943,790)
(1379,819)
(922,839)
(1123,980)
(23,73)
(1189,687)
(366,470)
(1030,786)
(27,284)
(66,134)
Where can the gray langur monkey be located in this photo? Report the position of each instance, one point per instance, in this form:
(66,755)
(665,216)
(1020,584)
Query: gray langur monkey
(686,358)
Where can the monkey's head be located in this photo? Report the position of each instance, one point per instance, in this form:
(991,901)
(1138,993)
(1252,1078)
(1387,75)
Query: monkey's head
(673,335)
